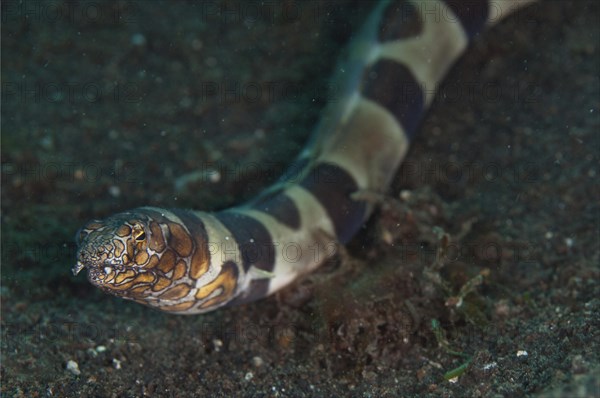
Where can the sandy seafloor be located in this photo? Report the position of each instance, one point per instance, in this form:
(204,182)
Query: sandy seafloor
(103,113)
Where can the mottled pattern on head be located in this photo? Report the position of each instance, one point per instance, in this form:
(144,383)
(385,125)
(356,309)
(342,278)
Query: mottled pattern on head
(152,258)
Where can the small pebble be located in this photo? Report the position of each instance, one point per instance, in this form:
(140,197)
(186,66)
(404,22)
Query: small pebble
(217,344)
(73,367)
(491,365)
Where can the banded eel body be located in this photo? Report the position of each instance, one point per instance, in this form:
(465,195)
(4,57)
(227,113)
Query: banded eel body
(190,262)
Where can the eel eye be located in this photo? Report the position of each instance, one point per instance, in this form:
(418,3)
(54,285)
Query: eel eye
(140,236)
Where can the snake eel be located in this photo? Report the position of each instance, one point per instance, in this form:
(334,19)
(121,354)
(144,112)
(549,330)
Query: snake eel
(189,262)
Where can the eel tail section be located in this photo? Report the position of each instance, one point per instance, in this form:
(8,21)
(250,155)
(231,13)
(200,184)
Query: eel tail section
(190,262)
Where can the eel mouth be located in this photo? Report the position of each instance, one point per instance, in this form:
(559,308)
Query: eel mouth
(105,272)
(77,268)
(98,257)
